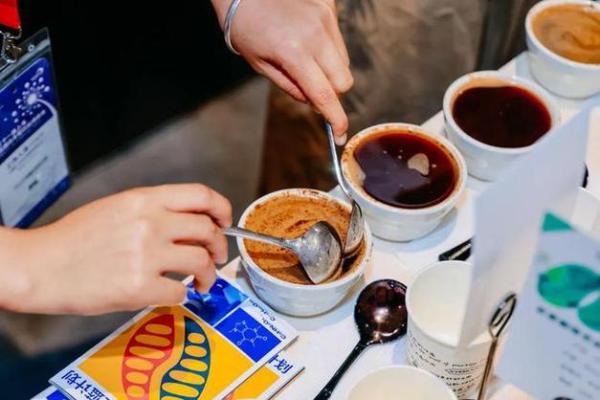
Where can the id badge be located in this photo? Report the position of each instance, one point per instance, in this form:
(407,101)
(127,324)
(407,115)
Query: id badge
(33,166)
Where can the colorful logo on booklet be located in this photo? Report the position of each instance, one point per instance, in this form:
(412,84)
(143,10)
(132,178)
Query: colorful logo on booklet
(172,352)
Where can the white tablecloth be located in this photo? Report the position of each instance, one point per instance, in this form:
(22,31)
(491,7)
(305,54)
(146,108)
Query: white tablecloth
(325,340)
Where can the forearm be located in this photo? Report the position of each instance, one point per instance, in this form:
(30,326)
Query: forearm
(15,279)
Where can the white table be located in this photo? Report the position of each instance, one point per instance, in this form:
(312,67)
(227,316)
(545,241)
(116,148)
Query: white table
(325,340)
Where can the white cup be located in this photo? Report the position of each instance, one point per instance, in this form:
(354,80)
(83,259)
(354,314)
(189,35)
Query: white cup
(485,161)
(401,382)
(292,298)
(560,75)
(436,304)
(396,223)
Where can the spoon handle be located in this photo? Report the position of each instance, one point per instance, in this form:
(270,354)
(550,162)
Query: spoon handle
(335,161)
(246,234)
(327,391)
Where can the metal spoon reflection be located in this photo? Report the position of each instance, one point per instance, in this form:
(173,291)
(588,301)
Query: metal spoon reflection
(319,249)
(381,316)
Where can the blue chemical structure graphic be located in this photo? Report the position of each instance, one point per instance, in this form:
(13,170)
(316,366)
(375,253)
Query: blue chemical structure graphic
(247,334)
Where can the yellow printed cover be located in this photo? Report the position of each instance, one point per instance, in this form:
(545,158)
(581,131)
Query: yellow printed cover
(262,385)
(202,350)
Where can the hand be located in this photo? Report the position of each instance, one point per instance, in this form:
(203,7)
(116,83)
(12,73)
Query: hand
(298,45)
(113,254)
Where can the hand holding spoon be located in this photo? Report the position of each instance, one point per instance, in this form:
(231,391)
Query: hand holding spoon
(381,316)
(319,249)
(356,228)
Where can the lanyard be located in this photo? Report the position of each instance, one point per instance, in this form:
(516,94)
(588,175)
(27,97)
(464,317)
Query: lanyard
(9,14)
(10,30)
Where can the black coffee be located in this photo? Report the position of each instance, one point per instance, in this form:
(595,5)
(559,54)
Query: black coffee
(503,116)
(406,169)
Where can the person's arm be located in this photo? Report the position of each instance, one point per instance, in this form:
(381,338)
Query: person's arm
(298,45)
(113,254)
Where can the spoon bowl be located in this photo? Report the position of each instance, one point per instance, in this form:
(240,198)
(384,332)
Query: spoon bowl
(319,249)
(381,316)
(380,311)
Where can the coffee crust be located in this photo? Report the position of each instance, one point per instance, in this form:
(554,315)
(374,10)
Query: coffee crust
(570,30)
(290,216)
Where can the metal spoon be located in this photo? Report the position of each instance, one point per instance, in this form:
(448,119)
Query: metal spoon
(356,228)
(381,316)
(319,249)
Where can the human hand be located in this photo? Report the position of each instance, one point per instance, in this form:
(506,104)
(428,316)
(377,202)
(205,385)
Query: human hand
(298,45)
(113,254)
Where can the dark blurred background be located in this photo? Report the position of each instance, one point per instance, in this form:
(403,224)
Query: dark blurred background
(124,67)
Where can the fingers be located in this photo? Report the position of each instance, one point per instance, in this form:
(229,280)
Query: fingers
(340,44)
(197,198)
(197,229)
(320,92)
(281,79)
(203,285)
(191,260)
(334,67)
(169,292)
(332,26)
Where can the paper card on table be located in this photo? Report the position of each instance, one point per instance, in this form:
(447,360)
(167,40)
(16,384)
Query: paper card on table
(554,350)
(508,212)
(203,350)
(269,379)
(262,385)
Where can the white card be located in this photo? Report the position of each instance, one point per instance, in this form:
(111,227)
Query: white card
(553,350)
(508,213)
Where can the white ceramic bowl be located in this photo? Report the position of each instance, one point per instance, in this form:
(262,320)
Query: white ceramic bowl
(485,161)
(558,74)
(401,382)
(395,223)
(296,299)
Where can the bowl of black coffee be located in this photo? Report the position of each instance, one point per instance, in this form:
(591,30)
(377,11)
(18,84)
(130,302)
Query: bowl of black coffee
(405,178)
(494,118)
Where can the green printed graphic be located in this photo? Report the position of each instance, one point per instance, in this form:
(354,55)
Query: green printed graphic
(573,286)
(566,285)
(553,223)
(589,314)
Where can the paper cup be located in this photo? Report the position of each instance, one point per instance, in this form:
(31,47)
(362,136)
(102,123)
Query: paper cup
(436,303)
(401,382)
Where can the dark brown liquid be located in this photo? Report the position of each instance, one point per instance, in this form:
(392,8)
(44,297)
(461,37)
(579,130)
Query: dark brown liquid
(503,116)
(406,169)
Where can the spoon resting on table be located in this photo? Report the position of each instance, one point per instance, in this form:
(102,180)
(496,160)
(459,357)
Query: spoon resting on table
(381,316)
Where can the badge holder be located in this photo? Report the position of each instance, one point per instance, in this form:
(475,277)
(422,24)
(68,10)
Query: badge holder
(33,167)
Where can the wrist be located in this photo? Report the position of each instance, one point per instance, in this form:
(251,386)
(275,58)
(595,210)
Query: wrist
(221,7)
(29,270)
(16,278)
